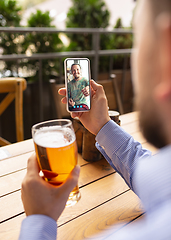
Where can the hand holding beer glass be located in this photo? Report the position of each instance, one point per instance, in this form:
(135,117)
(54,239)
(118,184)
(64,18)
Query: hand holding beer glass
(56,151)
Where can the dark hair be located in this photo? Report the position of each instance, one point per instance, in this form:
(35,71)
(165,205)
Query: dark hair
(75,64)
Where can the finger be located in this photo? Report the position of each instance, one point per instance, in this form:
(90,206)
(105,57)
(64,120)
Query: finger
(32,165)
(72,180)
(76,114)
(64,100)
(92,87)
(95,86)
(98,89)
(62,91)
(49,174)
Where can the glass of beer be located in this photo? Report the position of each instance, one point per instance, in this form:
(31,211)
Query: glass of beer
(56,151)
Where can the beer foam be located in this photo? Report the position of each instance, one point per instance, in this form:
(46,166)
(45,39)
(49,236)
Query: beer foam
(54,138)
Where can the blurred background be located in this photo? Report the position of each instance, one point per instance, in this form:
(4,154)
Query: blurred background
(58,10)
(37,35)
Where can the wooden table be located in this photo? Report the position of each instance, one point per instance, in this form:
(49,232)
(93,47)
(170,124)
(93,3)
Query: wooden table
(106,201)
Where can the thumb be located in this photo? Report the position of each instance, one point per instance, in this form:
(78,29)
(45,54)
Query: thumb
(93,84)
(97,89)
(72,180)
(32,165)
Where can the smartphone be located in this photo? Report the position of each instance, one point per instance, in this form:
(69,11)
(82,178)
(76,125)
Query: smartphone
(77,82)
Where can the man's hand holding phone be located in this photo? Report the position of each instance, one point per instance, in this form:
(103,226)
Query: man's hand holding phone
(98,115)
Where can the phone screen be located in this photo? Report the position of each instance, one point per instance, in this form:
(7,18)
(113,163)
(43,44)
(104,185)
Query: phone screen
(77,80)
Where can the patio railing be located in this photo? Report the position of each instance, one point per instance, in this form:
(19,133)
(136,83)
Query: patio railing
(95,52)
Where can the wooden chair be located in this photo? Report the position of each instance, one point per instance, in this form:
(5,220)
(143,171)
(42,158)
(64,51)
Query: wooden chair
(61,111)
(112,93)
(14,88)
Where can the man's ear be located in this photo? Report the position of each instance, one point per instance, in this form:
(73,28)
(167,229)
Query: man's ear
(163,26)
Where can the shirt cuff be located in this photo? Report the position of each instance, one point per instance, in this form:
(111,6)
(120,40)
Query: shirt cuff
(38,227)
(111,137)
(120,150)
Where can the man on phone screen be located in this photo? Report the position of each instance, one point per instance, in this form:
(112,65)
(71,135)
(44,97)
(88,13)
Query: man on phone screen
(78,90)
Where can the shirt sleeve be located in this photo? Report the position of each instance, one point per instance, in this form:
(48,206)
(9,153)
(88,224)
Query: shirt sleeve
(38,227)
(120,150)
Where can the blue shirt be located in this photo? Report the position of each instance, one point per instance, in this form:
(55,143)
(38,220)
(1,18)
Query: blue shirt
(38,227)
(148,176)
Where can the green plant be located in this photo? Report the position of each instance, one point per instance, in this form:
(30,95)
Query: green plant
(10,16)
(120,41)
(87,14)
(42,43)
(94,14)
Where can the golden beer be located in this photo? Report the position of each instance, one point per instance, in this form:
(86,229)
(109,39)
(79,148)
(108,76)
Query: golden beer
(56,152)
